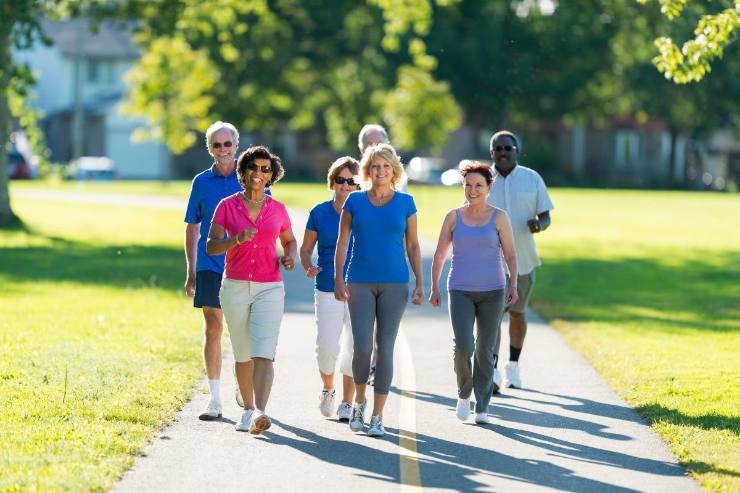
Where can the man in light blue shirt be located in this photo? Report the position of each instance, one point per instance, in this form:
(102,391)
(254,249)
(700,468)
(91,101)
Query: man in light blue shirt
(521,192)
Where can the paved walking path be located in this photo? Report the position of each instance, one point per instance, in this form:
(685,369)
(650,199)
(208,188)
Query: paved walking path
(565,431)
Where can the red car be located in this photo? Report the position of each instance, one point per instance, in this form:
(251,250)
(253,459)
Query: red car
(18,167)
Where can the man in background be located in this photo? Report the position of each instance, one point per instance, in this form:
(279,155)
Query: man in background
(521,192)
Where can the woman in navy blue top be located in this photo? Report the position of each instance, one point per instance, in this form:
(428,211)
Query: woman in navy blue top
(381,220)
(333,327)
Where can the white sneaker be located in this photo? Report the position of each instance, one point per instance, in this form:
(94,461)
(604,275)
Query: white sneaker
(357,421)
(326,402)
(344,411)
(245,421)
(513,378)
(211,411)
(482,418)
(463,409)
(376,428)
(496,381)
(260,422)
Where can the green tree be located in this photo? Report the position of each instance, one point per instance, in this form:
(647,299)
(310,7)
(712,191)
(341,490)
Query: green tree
(713,33)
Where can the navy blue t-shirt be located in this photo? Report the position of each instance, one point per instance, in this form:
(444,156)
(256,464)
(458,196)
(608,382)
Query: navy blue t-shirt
(379,254)
(324,220)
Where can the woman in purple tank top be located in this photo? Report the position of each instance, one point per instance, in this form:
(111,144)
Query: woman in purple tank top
(481,240)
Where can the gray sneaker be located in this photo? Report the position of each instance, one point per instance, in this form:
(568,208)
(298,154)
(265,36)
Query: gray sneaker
(344,411)
(376,427)
(357,422)
(326,402)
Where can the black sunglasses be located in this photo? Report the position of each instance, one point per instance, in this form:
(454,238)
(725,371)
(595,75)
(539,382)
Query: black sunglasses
(263,169)
(217,145)
(339,180)
(504,148)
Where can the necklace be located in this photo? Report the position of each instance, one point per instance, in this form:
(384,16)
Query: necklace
(250,201)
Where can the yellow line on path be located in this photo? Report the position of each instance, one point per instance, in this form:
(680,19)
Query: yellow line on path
(409,457)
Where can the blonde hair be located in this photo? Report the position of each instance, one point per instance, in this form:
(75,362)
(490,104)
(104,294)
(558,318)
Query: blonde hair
(387,152)
(345,162)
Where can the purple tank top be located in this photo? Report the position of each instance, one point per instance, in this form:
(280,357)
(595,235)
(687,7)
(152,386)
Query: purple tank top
(476,257)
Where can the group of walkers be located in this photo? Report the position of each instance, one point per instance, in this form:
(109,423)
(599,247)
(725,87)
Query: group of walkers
(366,238)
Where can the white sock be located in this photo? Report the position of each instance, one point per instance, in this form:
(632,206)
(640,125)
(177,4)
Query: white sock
(214,386)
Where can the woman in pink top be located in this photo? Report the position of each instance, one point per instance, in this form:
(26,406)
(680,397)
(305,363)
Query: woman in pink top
(252,293)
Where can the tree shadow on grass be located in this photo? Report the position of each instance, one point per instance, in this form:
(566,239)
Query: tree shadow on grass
(700,294)
(657,413)
(133,266)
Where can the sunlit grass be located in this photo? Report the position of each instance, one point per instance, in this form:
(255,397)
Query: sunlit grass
(97,347)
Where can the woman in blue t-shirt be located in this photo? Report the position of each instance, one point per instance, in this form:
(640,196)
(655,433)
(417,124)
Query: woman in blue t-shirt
(381,220)
(332,316)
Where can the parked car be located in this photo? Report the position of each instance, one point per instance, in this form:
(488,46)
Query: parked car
(91,168)
(452,176)
(18,166)
(425,169)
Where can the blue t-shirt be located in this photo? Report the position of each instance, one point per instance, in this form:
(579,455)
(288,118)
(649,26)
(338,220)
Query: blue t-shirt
(379,253)
(324,220)
(206,192)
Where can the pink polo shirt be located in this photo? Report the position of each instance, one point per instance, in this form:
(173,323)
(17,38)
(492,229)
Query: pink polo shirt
(254,260)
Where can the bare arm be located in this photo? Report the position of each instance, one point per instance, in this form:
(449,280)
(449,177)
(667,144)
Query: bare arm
(340,256)
(440,255)
(290,246)
(506,236)
(413,250)
(309,242)
(192,234)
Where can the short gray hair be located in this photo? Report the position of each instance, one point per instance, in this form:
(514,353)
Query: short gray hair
(368,129)
(219,125)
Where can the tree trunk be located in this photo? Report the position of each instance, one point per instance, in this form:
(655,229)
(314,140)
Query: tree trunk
(6,213)
(673,131)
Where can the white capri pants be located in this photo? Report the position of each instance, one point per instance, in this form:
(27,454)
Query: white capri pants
(333,334)
(253,312)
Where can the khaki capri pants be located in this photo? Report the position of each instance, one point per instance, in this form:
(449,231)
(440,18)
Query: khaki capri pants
(253,312)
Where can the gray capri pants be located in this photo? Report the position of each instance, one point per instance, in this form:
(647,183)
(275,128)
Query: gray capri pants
(466,308)
(368,302)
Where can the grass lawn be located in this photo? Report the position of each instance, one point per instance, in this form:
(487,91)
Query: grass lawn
(645,284)
(97,347)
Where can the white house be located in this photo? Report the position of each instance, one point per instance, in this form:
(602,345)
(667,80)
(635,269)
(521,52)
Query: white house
(82,75)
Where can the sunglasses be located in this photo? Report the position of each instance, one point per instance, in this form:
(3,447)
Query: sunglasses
(504,148)
(339,180)
(263,169)
(217,145)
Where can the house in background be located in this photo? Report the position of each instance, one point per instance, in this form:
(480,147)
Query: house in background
(80,78)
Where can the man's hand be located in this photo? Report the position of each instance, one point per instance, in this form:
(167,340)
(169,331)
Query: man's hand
(534,225)
(190,285)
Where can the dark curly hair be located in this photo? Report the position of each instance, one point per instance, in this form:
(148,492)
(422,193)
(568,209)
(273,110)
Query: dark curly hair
(480,168)
(259,152)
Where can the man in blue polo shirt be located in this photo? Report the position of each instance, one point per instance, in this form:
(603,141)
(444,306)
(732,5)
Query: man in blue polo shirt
(204,272)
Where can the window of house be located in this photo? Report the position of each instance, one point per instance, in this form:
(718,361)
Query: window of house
(100,71)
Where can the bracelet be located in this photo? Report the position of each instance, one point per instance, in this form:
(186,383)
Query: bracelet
(237,240)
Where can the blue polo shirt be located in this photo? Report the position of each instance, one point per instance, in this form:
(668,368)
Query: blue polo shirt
(379,253)
(206,192)
(324,221)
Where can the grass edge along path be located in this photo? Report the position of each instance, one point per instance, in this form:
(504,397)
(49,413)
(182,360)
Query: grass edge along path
(98,348)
